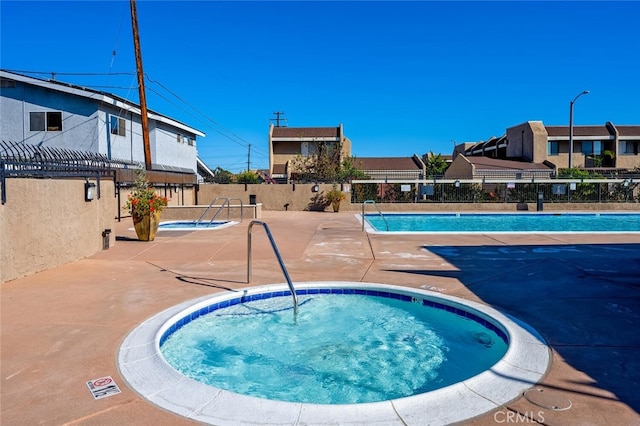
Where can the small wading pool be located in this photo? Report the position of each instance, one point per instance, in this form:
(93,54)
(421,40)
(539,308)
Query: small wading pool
(191,225)
(461,223)
(514,368)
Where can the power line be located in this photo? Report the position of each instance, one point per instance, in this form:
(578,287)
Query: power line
(200,119)
(93,74)
(195,109)
(210,122)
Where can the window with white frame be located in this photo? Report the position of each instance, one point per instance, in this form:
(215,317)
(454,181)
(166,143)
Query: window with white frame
(50,121)
(118,126)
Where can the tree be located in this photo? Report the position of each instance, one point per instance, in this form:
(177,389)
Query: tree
(326,165)
(435,163)
(247,177)
(606,158)
(220,176)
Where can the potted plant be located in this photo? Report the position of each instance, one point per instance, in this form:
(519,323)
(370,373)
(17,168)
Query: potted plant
(334,197)
(145,206)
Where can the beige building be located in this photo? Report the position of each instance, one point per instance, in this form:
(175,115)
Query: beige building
(288,143)
(464,167)
(592,145)
(379,168)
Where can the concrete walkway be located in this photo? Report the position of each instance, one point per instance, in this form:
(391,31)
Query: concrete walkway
(63,327)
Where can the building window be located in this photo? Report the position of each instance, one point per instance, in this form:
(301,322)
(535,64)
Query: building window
(5,83)
(41,121)
(591,147)
(118,126)
(629,147)
(553,148)
(37,121)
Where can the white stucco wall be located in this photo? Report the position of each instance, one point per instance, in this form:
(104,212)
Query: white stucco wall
(167,149)
(79,118)
(86,126)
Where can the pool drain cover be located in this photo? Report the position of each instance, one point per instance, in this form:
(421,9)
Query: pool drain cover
(547,399)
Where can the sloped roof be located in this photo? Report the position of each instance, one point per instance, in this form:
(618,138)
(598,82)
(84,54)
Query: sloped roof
(497,164)
(492,143)
(107,98)
(578,130)
(203,169)
(628,130)
(292,132)
(386,163)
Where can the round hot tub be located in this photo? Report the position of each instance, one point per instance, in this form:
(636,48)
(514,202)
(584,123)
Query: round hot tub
(354,352)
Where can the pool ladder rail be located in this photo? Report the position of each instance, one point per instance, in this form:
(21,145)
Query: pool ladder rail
(278,256)
(227,202)
(379,212)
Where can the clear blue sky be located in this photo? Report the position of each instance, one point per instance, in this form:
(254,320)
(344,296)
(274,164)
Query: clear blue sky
(402,77)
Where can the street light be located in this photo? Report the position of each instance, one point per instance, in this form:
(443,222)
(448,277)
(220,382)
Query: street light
(571,127)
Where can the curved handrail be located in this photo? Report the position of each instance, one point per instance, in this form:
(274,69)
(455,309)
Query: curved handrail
(241,207)
(376,206)
(208,208)
(275,250)
(226,202)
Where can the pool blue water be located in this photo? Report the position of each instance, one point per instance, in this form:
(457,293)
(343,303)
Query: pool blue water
(190,224)
(339,349)
(523,222)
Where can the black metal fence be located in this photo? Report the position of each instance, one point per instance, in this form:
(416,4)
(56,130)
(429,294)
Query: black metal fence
(556,191)
(20,160)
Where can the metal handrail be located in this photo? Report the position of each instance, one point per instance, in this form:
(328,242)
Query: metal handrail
(207,209)
(227,202)
(275,250)
(376,206)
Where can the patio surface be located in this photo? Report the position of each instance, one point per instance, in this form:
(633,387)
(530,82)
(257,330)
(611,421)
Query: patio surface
(63,327)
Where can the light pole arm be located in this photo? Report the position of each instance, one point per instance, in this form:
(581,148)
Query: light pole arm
(571,127)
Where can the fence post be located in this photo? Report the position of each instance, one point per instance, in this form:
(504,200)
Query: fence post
(3,183)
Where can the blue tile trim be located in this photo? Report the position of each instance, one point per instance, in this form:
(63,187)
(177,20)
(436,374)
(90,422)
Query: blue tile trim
(377,293)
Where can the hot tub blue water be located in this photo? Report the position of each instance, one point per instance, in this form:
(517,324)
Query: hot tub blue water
(145,369)
(191,225)
(341,348)
(505,222)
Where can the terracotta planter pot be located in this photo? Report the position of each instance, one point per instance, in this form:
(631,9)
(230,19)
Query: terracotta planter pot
(336,206)
(146,226)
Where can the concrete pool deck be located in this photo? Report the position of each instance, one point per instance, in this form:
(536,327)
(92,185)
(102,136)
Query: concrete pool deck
(63,327)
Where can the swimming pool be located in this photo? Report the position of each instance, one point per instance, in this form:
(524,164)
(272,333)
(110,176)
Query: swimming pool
(191,225)
(461,223)
(144,368)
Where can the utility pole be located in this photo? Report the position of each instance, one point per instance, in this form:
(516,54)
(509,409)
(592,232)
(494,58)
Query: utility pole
(278,119)
(249,158)
(141,92)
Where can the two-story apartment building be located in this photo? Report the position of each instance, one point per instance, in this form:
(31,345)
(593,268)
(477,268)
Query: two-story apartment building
(609,146)
(288,143)
(51,113)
